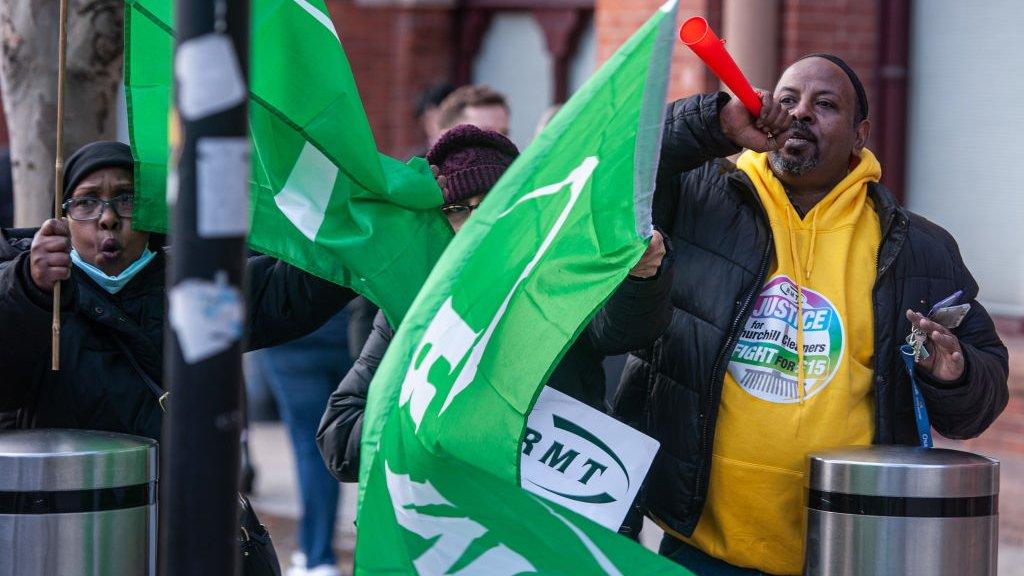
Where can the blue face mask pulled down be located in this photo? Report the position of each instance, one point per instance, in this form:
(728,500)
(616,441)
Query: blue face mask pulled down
(112,284)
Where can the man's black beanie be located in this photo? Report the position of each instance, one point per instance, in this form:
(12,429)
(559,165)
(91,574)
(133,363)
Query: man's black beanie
(92,157)
(858,87)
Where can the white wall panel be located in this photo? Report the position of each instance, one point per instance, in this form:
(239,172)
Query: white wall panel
(965,167)
(514,60)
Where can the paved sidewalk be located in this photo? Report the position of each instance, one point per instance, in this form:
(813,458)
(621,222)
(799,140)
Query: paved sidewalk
(276,497)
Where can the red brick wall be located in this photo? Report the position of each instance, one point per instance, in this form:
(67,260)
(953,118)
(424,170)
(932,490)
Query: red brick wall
(617,20)
(846,28)
(1004,441)
(395,53)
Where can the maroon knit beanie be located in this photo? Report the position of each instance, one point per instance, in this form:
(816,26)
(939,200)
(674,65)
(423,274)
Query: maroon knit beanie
(472,160)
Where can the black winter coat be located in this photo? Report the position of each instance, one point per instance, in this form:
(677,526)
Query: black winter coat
(723,242)
(636,314)
(96,387)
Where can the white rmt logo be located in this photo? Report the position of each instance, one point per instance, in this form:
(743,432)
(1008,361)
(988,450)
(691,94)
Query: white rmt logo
(454,534)
(448,335)
(583,459)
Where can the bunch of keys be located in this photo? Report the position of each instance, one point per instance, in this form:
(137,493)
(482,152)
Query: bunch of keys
(947,313)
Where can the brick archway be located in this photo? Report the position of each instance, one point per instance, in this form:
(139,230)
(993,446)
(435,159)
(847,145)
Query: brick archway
(562,22)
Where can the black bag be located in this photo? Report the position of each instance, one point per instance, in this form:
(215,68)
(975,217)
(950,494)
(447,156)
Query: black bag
(258,557)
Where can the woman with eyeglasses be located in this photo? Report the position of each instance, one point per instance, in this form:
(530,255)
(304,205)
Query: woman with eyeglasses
(112,307)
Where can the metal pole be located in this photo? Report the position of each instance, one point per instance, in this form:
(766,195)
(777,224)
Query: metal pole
(199,507)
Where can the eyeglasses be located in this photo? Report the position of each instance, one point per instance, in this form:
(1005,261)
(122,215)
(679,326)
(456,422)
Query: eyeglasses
(459,209)
(90,208)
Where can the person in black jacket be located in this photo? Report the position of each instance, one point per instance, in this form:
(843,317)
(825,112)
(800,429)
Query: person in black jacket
(787,340)
(112,308)
(469,161)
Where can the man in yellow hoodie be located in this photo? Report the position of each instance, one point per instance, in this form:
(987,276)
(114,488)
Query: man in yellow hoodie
(797,279)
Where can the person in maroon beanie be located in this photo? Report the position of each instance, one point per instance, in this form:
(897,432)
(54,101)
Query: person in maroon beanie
(467,162)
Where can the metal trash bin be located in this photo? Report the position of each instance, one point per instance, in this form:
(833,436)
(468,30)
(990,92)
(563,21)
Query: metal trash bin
(77,503)
(901,510)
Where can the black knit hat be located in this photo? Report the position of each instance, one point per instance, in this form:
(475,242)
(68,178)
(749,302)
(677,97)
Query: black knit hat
(92,157)
(472,160)
(858,87)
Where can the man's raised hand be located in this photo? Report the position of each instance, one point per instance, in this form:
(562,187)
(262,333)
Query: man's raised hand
(753,133)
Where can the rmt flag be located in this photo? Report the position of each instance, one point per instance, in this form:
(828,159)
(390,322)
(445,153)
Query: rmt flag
(439,477)
(322,197)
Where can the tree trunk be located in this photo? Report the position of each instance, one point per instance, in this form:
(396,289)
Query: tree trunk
(28,76)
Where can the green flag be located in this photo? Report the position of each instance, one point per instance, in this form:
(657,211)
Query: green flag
(439,478)
(322,197)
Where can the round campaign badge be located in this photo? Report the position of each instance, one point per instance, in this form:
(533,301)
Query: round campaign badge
(764,362)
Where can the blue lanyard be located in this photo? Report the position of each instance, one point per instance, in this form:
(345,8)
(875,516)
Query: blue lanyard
(924,429)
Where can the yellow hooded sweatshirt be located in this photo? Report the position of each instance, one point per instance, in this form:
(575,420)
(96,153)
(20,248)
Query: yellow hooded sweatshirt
(800,378)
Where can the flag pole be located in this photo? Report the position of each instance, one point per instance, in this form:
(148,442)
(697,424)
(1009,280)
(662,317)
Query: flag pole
(58,165)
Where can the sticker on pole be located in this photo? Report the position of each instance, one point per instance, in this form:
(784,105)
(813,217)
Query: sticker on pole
(222,187)
(583,459)
(206,316)
(209,76)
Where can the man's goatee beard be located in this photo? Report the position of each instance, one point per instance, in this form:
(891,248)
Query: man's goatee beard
(793,167)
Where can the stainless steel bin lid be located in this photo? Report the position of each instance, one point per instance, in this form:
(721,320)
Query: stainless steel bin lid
(905,471)
(52,460)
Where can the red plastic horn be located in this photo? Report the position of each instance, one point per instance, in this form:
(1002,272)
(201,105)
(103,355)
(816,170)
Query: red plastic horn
(698,35)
